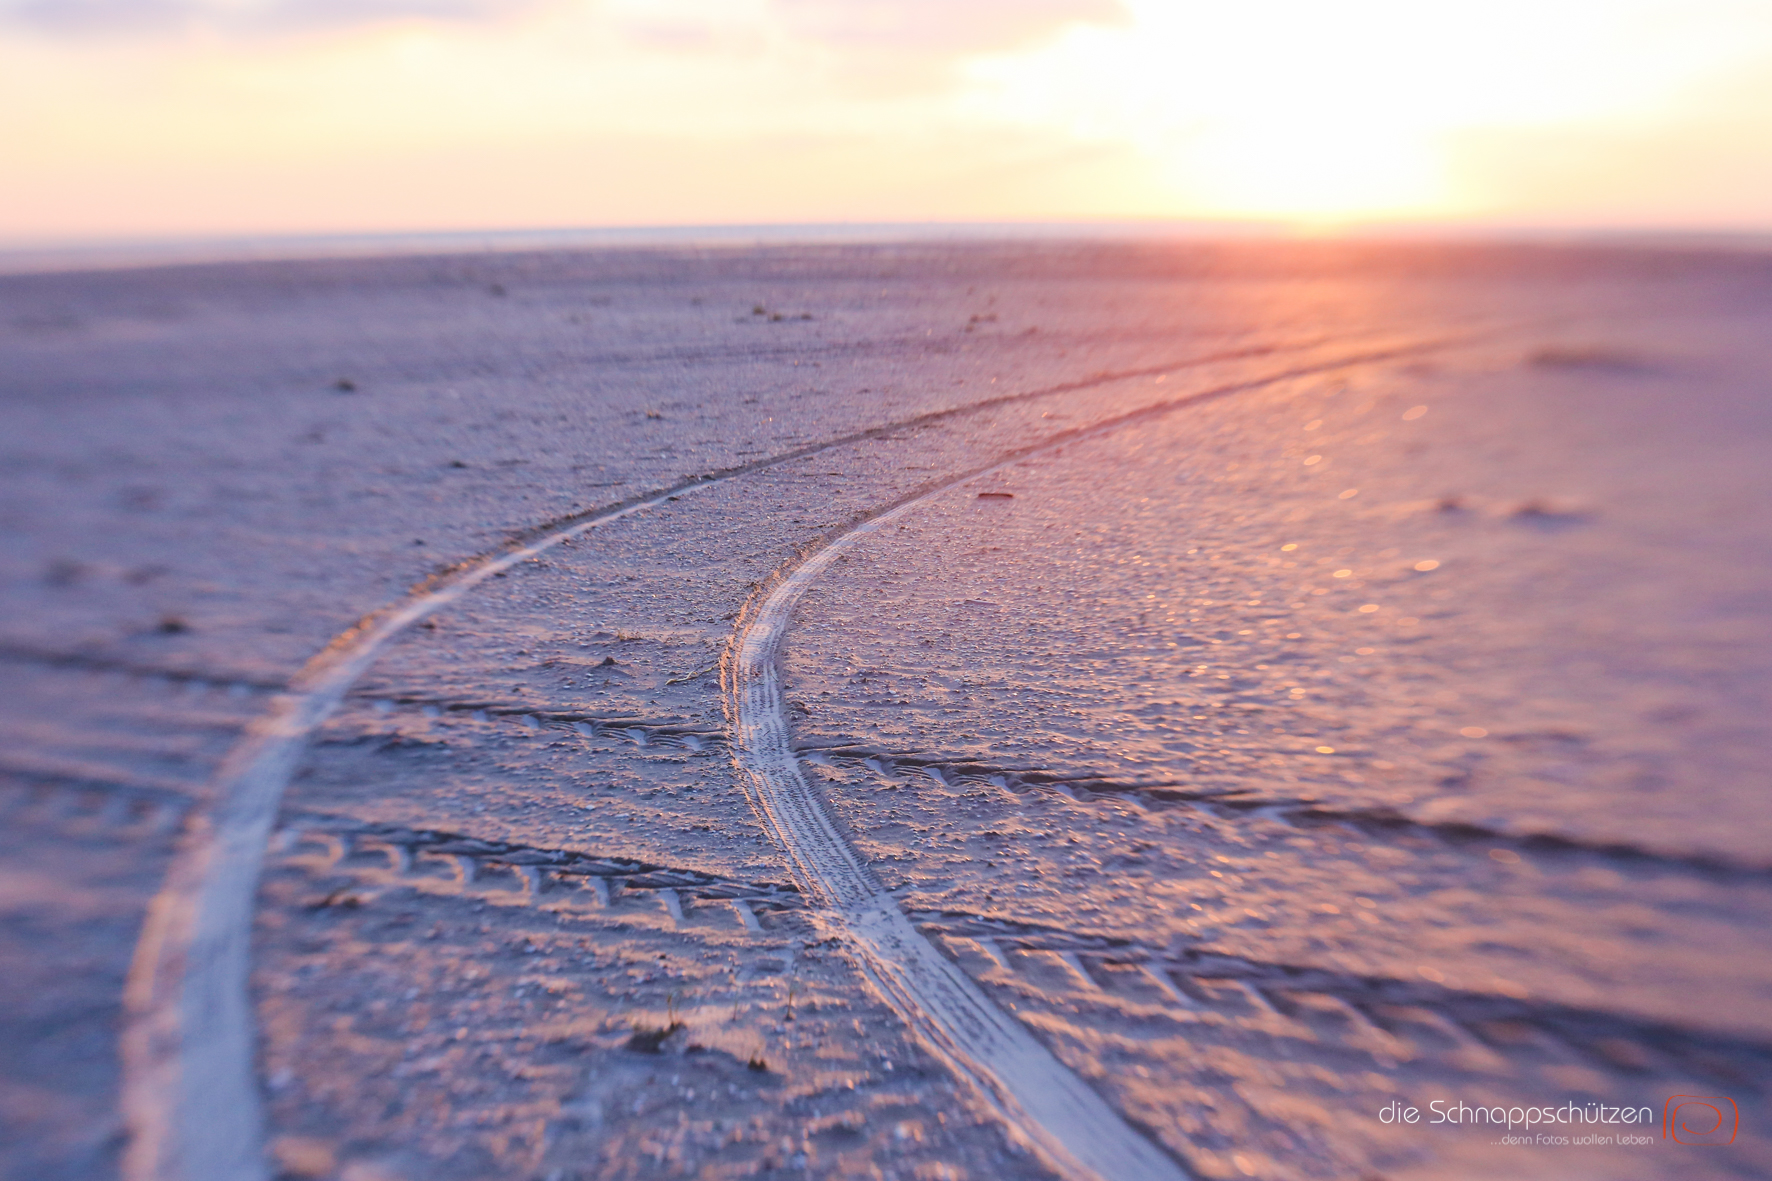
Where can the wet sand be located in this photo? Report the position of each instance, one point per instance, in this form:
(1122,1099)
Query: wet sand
(1345,683)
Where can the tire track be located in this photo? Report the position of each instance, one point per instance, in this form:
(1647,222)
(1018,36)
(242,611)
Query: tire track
(1072,787)
(1388,824)
(540,867)
(189,1095)
(641,731)
(1044,1105)
(1603,1036)
(191,679)
(119,809)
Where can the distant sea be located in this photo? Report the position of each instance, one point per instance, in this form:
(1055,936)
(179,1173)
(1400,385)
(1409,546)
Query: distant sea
(109,254)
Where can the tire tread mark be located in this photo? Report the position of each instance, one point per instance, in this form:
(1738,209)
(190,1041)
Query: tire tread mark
(590,725)
(96,662)
(1298,813)
(633,874)
(1716,1056)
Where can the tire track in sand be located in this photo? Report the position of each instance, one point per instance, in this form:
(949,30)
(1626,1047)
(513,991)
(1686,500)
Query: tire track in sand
(189,1094)
(1045,1106)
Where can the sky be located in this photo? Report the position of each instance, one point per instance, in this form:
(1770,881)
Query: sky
(184,118)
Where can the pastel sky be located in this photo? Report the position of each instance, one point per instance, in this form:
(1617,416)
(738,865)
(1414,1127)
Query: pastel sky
(126,118)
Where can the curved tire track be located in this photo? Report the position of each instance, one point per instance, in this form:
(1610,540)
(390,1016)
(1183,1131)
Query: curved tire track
(1043,1103)
(189,1095)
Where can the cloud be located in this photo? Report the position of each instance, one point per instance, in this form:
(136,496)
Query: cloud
(121,19)
(934,27)
(939,26)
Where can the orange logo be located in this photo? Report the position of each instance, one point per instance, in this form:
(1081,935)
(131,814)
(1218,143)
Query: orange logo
(1700,1119)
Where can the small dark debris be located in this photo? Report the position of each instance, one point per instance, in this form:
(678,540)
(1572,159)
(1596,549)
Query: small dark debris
(757,1064)
(501,574)
(1624,1054)
(653,414)
(996,496)
(172,625)
(607,660)
(1450,504)
(418,541)
(457,463)
(1587,357)
(345,385)
(495,289)
(776,317)
(759,310)
(64,572)
(1535,508)
(339,899)
(1543,513)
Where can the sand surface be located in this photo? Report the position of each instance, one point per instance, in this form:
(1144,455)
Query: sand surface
(1372,708)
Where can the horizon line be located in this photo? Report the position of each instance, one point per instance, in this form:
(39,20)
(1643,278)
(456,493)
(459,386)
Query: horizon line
(25,256)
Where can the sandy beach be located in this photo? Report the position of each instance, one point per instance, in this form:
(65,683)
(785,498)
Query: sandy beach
(936,712)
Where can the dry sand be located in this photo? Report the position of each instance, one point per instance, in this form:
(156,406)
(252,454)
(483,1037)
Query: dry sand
(1345,682)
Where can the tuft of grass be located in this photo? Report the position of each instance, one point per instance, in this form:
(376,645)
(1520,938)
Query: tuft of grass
(650,1039)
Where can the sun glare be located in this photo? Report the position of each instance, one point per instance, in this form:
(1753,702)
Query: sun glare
(1321,113)
(1308,172)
